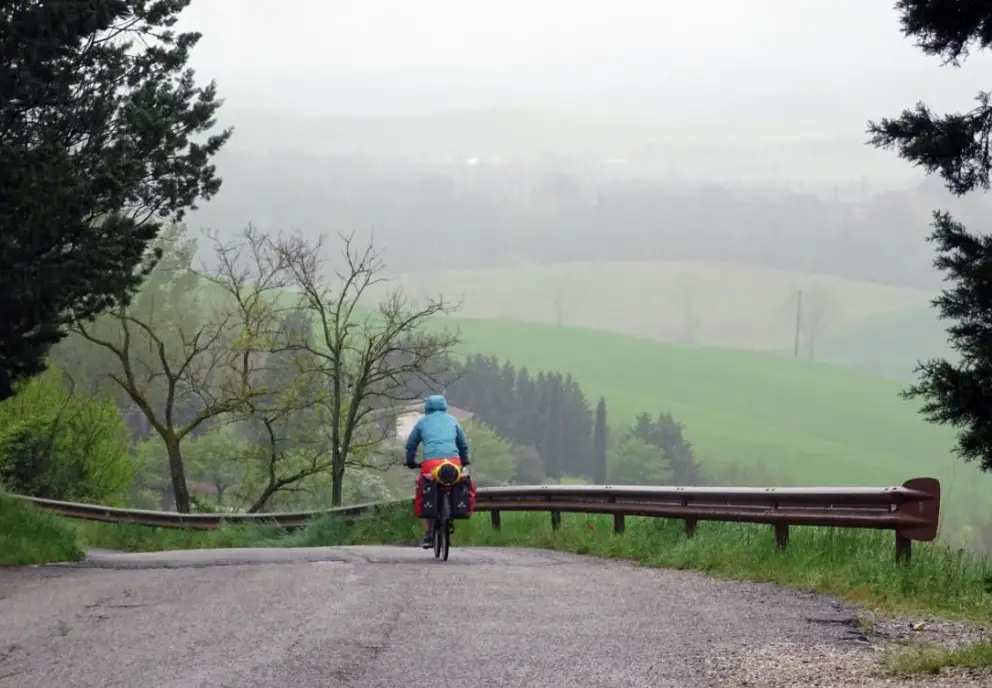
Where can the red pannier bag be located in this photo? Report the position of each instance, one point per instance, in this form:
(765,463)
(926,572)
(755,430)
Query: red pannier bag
(425,500)
(463,499)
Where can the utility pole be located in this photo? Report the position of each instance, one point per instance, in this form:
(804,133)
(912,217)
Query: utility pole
(799,320)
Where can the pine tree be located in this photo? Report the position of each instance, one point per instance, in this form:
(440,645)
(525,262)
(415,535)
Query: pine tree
(104,135)
(551,446)
(955,146)
(548,412)
(576,429)
(528,428)
(599,444)
(677,450)
(666,434)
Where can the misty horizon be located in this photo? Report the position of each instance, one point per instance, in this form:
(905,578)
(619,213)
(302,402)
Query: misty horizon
(384,57)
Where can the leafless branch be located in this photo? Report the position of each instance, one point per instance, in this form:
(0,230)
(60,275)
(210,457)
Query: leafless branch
(366,355)
(207,332)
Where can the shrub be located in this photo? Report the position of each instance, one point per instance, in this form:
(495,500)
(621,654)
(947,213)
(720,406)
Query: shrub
(57,445)
(632,461)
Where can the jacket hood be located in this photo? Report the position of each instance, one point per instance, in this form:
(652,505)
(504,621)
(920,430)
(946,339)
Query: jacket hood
(435,402)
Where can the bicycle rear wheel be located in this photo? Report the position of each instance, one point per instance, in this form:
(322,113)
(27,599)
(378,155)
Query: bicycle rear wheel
(445,542)
(436,540)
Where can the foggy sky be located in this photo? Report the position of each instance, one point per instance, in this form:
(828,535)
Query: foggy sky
(672,59)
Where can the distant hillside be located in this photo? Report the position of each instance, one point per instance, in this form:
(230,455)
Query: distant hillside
(690,302)
(746,152)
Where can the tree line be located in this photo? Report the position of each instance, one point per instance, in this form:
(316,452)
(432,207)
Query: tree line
(492,216)
(548,413)
(264,373)
(268,342)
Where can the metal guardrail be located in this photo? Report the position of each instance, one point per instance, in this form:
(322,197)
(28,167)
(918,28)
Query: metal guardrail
(289,520)
(912,509)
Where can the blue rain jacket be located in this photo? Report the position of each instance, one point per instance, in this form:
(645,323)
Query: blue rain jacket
(440,432)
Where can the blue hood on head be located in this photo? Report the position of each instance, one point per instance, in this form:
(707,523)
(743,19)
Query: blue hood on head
(435,402)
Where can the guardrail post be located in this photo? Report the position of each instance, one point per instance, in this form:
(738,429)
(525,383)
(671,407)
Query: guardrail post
(924,510)
(781,535)
(555,520)
(904,549)
(494,517)
(690,527)
(618,524)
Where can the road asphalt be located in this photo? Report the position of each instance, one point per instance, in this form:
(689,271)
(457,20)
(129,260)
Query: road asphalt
(369,617)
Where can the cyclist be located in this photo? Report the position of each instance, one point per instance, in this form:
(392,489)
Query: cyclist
(443,440)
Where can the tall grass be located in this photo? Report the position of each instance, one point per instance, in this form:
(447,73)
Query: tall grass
(29,536)
(855,565)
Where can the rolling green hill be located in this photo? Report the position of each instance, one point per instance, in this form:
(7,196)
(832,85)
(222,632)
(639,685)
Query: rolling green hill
(814,423)
(889,344)
(712,304)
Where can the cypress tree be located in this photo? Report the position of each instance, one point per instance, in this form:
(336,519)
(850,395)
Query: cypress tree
(599,444)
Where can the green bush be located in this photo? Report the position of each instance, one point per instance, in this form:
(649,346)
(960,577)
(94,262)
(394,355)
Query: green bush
(632,461)
(492,457)
(58,445)
(528,465)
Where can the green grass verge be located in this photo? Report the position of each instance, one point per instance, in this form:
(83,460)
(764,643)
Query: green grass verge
(132,538)
(29,536)
(915,659)
(855,565)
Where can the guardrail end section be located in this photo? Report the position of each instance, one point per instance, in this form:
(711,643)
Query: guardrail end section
(927,510)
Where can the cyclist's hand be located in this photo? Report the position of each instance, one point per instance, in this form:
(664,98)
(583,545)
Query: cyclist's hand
(411,464)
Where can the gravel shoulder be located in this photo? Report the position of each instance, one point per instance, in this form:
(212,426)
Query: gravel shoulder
(391,616)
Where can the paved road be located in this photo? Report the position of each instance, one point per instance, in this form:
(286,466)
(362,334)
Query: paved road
(389,616)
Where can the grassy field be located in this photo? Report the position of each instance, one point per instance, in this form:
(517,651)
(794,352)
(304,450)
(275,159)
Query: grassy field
(890,344)
(856,565)
(730,305)
(810,423)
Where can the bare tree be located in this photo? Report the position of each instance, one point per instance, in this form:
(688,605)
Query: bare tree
(687,293)
(365,357)
(564,293)
(816,310)
(280,391)
(292,449)
(188,353)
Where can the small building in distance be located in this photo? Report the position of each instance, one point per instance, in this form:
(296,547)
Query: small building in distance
(408,415)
